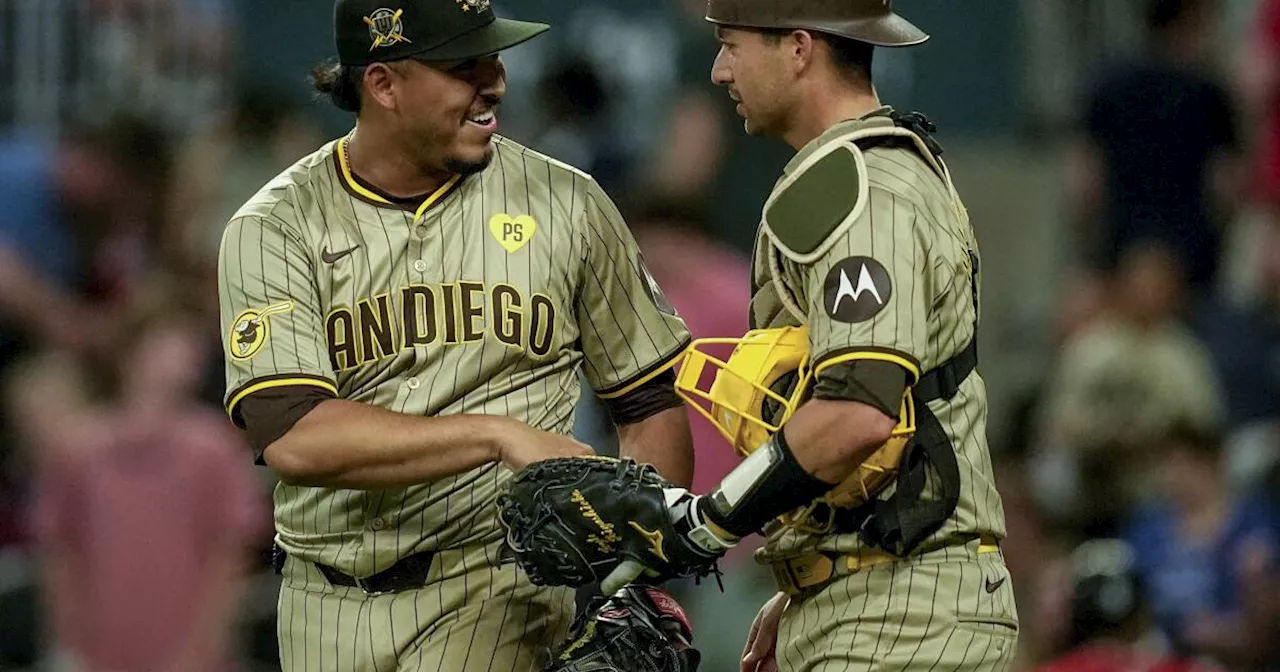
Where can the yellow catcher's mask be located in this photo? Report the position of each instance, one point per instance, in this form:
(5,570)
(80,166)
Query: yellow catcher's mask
(754,393)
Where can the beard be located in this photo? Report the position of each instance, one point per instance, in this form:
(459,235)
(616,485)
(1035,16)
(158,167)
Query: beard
(464,167)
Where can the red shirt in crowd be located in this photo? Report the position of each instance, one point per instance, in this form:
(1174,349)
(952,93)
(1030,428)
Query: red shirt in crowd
(140,515)
(1116,657)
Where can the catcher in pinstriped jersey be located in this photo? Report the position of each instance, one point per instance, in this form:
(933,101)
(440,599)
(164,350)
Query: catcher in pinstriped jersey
(887,550)
(854,398)
(405,313)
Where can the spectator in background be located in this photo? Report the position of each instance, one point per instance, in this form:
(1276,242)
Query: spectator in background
(145,518)
(259,134)
(1119,386)
(1107,617)
(1156,159)
(71,206)
(578,125)
(1198,545)
(1261,94)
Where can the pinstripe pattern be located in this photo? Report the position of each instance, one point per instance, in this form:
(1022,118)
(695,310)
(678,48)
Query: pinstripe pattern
(923,614)
(932,611)
(428,313)
(470,618)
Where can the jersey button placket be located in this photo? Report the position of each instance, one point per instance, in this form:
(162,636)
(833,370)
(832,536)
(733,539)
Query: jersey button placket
(420,266)
(412,383)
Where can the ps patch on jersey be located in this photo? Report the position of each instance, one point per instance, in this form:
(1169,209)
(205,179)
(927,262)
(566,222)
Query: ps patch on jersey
(512,233)
(251,329)
(856,289)
(653,289)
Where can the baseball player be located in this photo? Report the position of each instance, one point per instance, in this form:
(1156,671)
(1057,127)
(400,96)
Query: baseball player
(865,243)
(405,314)
(867,463)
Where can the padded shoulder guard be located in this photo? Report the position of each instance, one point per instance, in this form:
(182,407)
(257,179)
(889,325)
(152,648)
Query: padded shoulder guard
(822,198)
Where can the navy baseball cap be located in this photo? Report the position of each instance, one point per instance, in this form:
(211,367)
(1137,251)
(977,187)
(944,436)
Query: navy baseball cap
(373,31)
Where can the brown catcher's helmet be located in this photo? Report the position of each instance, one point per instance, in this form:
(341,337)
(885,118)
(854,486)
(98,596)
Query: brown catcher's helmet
(871,21)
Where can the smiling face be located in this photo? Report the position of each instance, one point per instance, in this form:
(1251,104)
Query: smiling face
(754,67)
(446,112)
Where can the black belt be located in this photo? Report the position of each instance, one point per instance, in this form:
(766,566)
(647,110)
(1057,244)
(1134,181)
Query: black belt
(408,573)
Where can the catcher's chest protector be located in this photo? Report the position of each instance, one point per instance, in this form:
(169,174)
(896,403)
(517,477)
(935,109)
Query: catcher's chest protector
(902,521)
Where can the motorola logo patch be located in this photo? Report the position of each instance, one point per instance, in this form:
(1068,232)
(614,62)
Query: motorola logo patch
(856,289)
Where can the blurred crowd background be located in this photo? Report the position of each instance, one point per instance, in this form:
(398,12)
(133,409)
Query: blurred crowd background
(1120,160)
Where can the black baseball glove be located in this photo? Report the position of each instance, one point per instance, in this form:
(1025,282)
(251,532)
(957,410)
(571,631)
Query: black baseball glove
(639,629)
(581,520)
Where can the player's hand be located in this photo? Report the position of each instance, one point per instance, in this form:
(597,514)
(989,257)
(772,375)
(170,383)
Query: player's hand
(693,542)
(520,445)
(759,655)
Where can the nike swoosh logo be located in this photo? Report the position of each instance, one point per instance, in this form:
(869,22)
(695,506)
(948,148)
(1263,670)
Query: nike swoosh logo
(994,586)
(330,258)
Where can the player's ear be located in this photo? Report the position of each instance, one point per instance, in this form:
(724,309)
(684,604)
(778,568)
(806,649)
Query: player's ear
(379,85)
(800,46)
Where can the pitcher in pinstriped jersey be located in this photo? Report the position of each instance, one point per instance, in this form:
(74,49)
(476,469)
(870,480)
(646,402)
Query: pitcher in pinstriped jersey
(405,315)
(866,285)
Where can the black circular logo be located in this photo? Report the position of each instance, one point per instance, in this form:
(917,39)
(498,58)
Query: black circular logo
(856,289)
(653,289)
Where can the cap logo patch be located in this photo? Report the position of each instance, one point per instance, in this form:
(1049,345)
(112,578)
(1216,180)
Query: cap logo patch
(386,28)
(478,5)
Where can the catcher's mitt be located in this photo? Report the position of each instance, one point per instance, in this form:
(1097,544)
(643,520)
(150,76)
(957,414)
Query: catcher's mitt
(572,522)
(639,629)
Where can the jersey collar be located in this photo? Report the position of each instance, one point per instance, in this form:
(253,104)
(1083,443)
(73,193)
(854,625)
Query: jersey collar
(876,117)
(371,194)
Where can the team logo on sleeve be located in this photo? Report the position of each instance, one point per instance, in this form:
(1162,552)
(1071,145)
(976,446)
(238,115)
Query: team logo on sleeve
(512,233)
(251,329)
(386,28)
(856,289)
(654,290)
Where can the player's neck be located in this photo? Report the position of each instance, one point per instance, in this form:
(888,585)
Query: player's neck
(825,110)
(379,159)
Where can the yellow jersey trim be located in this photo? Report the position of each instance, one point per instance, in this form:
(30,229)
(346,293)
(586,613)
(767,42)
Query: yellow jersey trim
(657,370)
(437,195)
(344,165)
(278,382)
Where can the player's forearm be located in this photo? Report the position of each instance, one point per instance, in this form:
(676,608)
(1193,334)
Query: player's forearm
(831,438)
(345,444)
(662,440)
(822,444)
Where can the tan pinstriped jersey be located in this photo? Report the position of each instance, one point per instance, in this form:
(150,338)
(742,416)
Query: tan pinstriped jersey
(897,285)
(485,298)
